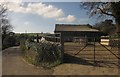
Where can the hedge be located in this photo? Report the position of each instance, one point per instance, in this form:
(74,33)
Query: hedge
(8,41)
(44,53)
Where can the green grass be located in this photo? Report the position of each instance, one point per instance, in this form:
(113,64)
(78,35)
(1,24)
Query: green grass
(34,34)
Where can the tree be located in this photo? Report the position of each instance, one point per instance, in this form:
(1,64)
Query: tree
(8,38)
(101,9)
(6,27)
(106,27)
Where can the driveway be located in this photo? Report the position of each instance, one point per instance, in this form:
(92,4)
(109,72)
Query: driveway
(13,64)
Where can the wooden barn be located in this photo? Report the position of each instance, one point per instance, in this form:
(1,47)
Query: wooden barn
(79,33)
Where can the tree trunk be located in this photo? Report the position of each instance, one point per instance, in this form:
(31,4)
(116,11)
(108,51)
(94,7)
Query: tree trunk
(118,25)
(116,12)
(118,33)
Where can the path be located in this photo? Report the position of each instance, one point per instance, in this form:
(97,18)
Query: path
(13,64)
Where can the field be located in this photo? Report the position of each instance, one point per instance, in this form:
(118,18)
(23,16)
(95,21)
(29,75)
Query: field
(103,57)
(34,34)
(83,63)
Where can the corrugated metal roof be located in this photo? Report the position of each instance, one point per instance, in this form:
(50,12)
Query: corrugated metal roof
(70,27)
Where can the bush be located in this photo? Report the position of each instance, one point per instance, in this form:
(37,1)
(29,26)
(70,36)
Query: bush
(22,45)
(8,41)
(45,53)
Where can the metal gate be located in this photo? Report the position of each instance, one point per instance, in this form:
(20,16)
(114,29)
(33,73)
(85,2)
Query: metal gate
(99,51)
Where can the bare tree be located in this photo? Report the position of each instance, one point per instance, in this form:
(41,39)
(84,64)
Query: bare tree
(3,10)
(4,22)
(6,27)
(101,9)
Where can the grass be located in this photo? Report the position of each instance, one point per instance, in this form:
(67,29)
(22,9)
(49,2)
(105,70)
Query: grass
(34,34)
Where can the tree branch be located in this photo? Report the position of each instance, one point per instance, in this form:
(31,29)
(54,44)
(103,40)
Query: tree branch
(105,12)
(2,11)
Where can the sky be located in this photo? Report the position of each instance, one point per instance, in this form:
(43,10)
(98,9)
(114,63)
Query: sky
(36,17)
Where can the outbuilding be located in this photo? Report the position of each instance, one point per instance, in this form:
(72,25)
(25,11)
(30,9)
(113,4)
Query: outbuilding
(71,32)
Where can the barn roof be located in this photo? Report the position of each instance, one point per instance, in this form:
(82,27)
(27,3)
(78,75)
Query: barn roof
(71,27)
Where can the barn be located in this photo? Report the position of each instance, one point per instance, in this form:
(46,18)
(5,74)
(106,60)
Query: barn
(72,32)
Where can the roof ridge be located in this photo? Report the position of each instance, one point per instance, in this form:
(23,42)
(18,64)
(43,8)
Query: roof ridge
(64,27)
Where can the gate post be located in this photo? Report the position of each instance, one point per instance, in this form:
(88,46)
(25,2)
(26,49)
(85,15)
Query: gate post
(62,45)
(37,38)
(94,50)
(119,51)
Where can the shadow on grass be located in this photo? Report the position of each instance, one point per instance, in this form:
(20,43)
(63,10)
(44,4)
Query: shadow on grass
(76,60)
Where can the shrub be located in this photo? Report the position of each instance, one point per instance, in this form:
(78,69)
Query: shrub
(8,41)
(44,53)
(22,46)
(50,54)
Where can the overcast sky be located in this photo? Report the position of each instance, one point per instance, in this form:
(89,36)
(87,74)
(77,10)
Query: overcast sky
(42,16)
